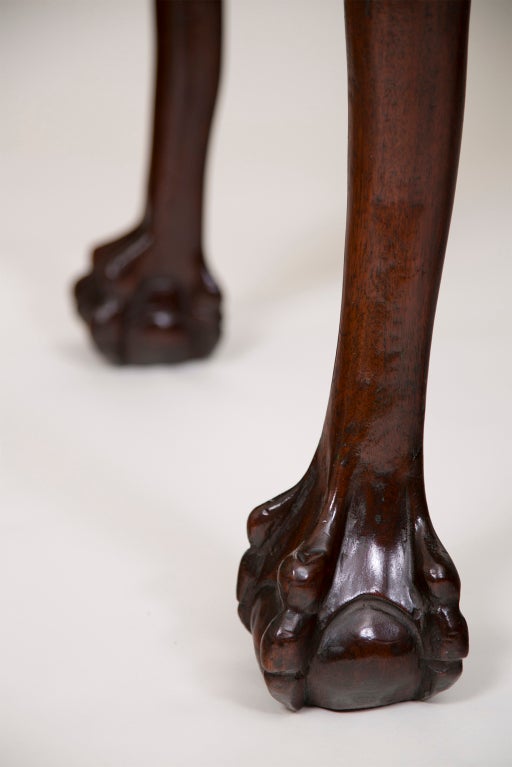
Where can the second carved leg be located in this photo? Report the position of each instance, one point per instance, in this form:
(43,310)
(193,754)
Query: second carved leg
(149,297)
(351,598)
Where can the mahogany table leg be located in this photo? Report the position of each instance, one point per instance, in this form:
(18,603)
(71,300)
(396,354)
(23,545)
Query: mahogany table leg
(351,598)
(149,297)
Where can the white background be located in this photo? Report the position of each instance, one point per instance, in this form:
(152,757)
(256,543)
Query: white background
(125,492)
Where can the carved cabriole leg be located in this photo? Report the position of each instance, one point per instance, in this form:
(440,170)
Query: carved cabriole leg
(149,297)
(351,598)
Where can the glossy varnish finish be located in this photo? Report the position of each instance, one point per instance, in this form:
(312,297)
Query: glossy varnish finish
(149,297)
(350,596)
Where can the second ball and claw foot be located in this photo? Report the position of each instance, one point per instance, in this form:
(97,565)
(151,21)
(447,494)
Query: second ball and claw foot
(138,315)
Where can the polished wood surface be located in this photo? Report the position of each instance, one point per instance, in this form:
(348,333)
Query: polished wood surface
(149,297)
(351,598)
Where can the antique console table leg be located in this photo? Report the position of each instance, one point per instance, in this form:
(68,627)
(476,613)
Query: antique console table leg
(351,598)
(149,297)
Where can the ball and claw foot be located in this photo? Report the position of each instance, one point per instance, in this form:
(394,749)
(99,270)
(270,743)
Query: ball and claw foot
(138,316)
(350,596)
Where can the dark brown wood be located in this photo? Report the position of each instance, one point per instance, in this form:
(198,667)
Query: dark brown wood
(350,596)
(149,297)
